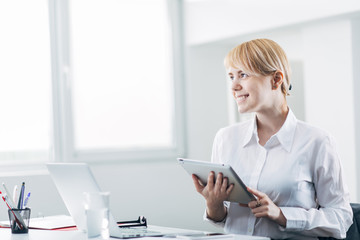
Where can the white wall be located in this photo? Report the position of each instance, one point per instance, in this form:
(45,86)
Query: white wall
(206,98)
(44,197)
(355,27)
(214,20)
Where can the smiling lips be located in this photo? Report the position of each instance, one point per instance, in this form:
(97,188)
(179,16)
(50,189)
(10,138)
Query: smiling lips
(241,97)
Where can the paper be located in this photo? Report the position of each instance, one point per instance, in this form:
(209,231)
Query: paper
(51,222)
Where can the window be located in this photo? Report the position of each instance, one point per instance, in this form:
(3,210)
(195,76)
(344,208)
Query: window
(118,80)
(122,82)
(90,80)
(25,100)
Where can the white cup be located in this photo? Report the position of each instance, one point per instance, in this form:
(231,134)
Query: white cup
(97,214)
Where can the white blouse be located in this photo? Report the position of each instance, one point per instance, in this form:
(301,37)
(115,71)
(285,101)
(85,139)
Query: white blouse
(298,168)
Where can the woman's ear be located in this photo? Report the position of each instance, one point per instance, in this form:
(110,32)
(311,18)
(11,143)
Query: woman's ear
(278,79)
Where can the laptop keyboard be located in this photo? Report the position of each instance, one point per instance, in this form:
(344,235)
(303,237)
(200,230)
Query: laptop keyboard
(137,232)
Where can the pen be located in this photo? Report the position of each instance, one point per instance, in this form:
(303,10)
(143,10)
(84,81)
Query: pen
(14,193)
(9,195)
(27,199)
(21,196)
(6,199)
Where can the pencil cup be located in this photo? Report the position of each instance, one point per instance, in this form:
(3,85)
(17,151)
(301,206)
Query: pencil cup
(19,220)
(97,214)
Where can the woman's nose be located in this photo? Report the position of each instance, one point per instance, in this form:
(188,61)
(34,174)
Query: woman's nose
(235,84)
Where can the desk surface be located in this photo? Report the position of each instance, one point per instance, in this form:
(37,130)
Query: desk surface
(5,234)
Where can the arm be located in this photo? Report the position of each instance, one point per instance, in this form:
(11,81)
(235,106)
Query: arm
(334,216)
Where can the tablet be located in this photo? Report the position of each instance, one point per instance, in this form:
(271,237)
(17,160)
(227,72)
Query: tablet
(202,169)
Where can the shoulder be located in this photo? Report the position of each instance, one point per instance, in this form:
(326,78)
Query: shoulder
(310,132)
(319,143)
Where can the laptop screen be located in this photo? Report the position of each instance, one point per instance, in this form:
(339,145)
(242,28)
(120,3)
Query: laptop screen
(72,180)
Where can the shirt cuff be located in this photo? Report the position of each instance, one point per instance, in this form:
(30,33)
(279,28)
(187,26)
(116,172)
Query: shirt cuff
(295,220)
(215,223)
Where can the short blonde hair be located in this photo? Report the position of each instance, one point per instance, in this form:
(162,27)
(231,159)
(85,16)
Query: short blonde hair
(262,56)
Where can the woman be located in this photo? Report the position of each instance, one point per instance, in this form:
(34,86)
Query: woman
(290,166)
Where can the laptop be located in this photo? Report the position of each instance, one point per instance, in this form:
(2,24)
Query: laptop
(73,179)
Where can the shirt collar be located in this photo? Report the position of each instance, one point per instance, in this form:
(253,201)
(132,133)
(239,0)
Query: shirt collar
(251,132)
(285,135)
(287,132)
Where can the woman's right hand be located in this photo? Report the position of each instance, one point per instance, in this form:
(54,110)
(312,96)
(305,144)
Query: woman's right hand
(215,193)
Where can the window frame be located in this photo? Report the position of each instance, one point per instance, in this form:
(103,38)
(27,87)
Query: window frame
(63,128)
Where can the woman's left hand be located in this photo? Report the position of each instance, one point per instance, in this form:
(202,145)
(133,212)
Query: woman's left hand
(265,207)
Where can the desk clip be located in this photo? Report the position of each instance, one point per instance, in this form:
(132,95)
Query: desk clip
(141,222)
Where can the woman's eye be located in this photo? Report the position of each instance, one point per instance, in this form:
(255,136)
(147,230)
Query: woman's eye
(243,75)
(231,78)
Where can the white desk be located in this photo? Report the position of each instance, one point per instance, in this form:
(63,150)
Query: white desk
(5,234)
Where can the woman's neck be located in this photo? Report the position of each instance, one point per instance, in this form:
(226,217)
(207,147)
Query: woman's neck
(270,122)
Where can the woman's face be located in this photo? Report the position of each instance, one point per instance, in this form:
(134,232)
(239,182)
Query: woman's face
(252,91)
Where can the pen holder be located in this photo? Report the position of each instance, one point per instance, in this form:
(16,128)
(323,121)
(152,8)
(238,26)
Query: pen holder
(19,220)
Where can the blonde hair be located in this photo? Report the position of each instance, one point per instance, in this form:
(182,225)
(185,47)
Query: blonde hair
(262,56)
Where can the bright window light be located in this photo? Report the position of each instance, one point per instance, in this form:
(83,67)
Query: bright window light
(25,100)
(122,74)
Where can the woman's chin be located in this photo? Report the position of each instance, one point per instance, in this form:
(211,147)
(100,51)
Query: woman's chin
(242,110)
